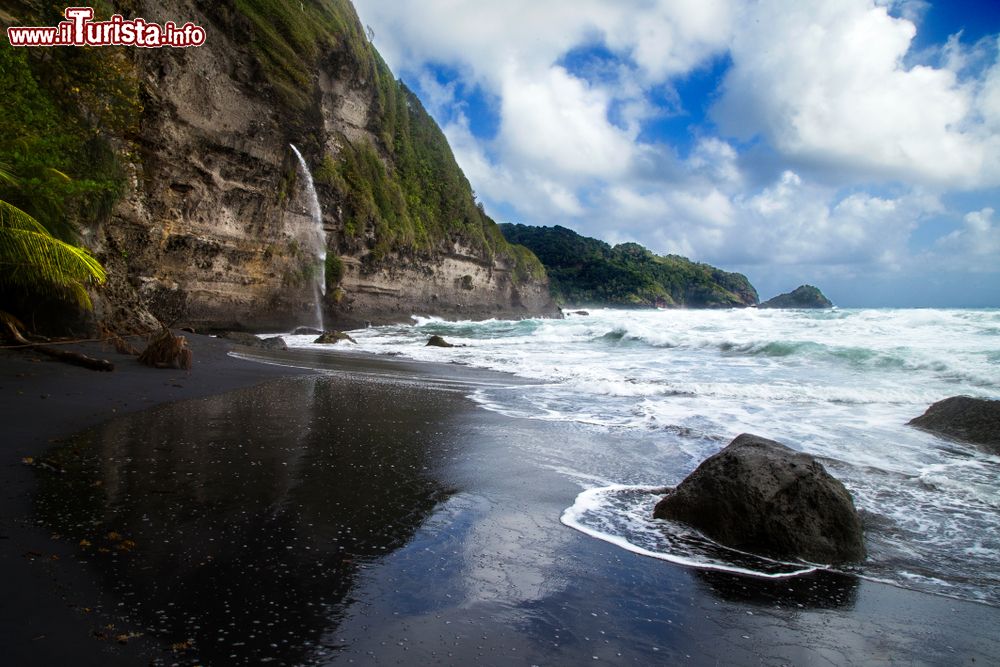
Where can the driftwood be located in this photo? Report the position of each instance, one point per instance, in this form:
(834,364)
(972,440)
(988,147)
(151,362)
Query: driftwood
(75,358)
(167,351)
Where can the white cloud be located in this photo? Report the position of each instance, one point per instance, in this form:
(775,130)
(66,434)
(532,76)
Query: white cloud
(632,205)
(439,99)
(558,120)
(663,37)
(911,10)
(538,196)
(550,119)
(670,38)
(974,247)
(825,83)
(716,161)
(791,223)
(988,100)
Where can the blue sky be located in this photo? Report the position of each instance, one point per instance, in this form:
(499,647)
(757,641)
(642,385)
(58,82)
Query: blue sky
(851,144)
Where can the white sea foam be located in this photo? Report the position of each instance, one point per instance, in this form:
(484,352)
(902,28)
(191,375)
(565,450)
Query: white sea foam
(840,385)
(629,525)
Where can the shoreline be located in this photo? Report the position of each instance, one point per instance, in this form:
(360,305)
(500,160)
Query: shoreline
(472,492)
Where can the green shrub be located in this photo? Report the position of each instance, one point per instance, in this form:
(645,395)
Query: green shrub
(334,270)
(288,39)
(68,109)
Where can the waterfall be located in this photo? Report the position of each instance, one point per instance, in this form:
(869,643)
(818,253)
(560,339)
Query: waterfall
(317,238)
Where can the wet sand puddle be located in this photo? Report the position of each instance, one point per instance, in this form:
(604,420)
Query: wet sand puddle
(233,527)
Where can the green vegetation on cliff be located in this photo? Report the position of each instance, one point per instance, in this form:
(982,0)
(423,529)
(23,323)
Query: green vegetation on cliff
(289,38)
(67,112)
(584,271)
(403,193)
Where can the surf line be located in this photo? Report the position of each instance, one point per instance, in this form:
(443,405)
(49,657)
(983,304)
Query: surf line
(572,518)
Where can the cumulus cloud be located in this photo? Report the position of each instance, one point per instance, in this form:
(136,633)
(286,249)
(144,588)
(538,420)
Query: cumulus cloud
(801,224)
(538,195)
(911,10)
(549,117)
(671,38)
(717,161)
(557,120)
(663,38)
(825,83)
(988,100)
(975,246)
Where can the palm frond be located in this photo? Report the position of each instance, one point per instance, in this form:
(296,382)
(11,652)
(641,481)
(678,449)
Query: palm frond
(6,175)
(33,259)
(55,172)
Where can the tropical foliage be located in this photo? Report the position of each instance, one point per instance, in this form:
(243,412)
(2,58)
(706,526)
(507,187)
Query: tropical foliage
(402,192)
(32,260)
(72,105)
(289,38)
(585,271)
(69,109)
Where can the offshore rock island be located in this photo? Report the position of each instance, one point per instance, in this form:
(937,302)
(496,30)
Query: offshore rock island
(804,296)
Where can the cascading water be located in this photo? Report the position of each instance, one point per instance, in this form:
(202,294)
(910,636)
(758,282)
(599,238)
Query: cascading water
(317,238)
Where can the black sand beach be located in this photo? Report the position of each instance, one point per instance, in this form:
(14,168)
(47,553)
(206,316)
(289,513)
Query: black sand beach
(245,513)
(53,611)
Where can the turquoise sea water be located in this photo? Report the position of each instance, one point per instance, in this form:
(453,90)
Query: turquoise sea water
(677,386)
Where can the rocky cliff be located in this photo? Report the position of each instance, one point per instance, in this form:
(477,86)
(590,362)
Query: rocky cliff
(211,224)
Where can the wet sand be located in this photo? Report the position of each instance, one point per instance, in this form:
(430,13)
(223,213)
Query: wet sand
(372,514)
(52,609)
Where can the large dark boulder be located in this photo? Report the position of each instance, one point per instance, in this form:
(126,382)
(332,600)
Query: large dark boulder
(805,296)
(274,343)
(759,496)
(975,420)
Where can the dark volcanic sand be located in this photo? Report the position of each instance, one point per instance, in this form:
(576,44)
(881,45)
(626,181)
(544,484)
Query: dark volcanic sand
(52,610)
(378,516)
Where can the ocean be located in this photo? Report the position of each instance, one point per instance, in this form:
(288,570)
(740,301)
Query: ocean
(670,388)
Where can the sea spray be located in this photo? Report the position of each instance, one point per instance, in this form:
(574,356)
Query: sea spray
(317,238)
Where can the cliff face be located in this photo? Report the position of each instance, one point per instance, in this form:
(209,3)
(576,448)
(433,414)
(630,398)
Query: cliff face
(458,285)
(214,228)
